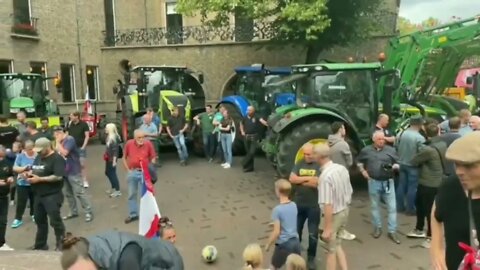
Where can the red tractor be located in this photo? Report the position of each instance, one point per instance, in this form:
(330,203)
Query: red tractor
(93,119)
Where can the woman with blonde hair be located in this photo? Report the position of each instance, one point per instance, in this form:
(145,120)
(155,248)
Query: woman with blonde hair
(253,257)
(295,262)
(112,153)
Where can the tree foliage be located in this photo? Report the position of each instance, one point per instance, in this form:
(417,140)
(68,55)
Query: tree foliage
(315,24)
(405,26)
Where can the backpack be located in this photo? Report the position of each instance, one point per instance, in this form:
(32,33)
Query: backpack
(120,151)
(471,260)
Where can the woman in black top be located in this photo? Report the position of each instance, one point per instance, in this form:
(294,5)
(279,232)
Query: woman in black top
(111,157)
(226,139)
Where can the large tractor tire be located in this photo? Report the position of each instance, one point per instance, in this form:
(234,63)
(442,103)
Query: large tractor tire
(125,123)
(102,136)
(289,146)
(197,140)
(238,146)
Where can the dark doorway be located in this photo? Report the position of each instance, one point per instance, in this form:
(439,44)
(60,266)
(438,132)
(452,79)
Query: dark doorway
(174,24)
(66,75)
(5,66)
(92,82)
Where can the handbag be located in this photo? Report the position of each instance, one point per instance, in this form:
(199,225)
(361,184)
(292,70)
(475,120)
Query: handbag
(471,260)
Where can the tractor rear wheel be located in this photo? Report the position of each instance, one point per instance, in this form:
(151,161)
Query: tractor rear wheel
(238,146)
(102,136)
(290,145)
(125,123)
(197,140)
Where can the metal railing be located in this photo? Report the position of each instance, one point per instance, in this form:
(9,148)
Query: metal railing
(24,25)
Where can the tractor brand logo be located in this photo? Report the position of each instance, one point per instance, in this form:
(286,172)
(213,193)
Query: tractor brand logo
(307,172)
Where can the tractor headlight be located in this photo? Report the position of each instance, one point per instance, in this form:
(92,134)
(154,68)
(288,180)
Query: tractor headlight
(30,110)
(14,110)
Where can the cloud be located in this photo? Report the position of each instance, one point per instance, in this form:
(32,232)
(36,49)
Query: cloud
(419,10)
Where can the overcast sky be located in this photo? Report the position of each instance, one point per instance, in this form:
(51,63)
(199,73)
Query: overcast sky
(419,10)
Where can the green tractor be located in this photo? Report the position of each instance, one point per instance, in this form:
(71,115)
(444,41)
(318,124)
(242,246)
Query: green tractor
(353,93)
(26,92)
(161,88)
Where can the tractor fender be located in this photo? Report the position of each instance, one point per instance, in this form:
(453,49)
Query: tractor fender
(239,102)
(285,99)
(292,117)
(130,102)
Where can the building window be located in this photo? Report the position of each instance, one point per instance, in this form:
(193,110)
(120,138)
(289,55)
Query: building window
(109,8)
(243,25)
(92,82)
(6,66)
(174,24)
(23,22)
(67,75)
(40,68)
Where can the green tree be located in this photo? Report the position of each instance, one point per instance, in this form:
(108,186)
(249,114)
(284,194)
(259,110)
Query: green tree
(314,24)
(405,26)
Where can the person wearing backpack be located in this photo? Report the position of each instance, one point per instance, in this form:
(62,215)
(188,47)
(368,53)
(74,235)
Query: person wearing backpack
(431,161)
(456,210)
(113,152)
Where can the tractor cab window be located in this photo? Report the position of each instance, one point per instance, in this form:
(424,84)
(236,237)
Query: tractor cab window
(16,87)
(249,85)
(350,92)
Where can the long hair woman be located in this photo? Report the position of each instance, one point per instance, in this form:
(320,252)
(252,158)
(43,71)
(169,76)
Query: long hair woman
(111,157)
(226,127)
(253,257)
(116,250)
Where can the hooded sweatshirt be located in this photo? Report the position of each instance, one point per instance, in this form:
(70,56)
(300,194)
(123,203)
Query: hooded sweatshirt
(340,150)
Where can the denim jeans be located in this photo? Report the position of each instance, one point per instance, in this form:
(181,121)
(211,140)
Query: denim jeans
(226,140)
(209,144)
(312,216)
(111,173)
(386,191)
(179,141)
(407,188)
(134,180)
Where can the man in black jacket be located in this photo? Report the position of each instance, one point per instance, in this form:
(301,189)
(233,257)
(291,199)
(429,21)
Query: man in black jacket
(6,178)
(8,133)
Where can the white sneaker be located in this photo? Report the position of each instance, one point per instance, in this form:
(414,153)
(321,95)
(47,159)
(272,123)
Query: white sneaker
(426,243)
(12,203)
(227,166)
(346,235)
(115,194)
(5,247)
(85,184)
(223,164)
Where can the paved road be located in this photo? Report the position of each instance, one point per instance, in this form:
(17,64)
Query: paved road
(211,205)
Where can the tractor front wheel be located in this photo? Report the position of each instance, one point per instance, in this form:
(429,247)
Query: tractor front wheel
(290,144)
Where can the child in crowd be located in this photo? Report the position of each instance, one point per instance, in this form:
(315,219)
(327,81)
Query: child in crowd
(253,257)
(284,234)
(11,156)
(166,230)
(295,262)
(6,178)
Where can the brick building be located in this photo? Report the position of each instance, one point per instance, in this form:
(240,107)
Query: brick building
(84,40)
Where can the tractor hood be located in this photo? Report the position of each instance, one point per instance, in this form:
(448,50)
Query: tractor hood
(21,103)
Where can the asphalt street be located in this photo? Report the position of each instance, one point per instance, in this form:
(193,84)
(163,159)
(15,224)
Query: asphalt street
(210,205)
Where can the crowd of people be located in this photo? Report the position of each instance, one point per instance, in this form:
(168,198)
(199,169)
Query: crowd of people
(417,172)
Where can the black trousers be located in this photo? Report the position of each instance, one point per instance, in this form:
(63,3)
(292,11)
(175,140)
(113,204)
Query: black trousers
(3,218)
(24,194)
(424,203)
(130,258)
(12,192)
(48,208)
(312,216)
(251,150)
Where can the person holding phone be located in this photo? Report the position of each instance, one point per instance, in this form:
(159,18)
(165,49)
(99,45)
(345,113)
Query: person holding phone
(6,178)
(46,179)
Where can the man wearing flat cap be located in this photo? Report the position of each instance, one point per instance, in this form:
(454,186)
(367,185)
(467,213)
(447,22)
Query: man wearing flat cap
(451,216)
(408,144)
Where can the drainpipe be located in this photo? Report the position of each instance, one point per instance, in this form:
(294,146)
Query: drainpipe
(146,13)
(79,49)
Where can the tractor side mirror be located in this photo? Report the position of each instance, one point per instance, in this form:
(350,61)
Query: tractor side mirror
(200,78)
(469,80)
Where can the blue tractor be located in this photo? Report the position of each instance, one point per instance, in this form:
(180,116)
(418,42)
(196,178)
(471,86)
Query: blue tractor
(249,88)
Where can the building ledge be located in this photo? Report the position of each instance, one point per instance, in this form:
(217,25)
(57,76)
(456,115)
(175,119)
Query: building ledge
(24,36)
(220,43)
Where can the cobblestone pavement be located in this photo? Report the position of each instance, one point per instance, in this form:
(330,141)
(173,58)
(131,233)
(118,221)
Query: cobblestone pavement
(211,205)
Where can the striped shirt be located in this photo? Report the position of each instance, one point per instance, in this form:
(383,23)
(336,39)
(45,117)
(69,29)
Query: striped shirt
(334,187)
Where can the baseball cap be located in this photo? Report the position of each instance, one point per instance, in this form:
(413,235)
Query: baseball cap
(41,144)
(58,128)
(465,149)
(417,120)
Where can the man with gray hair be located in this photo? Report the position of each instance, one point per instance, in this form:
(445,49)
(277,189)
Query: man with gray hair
(474,123)
(376,163)
(334,197)
(136,151)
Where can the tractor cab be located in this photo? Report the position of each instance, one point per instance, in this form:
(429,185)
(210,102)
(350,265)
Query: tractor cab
(25,92)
